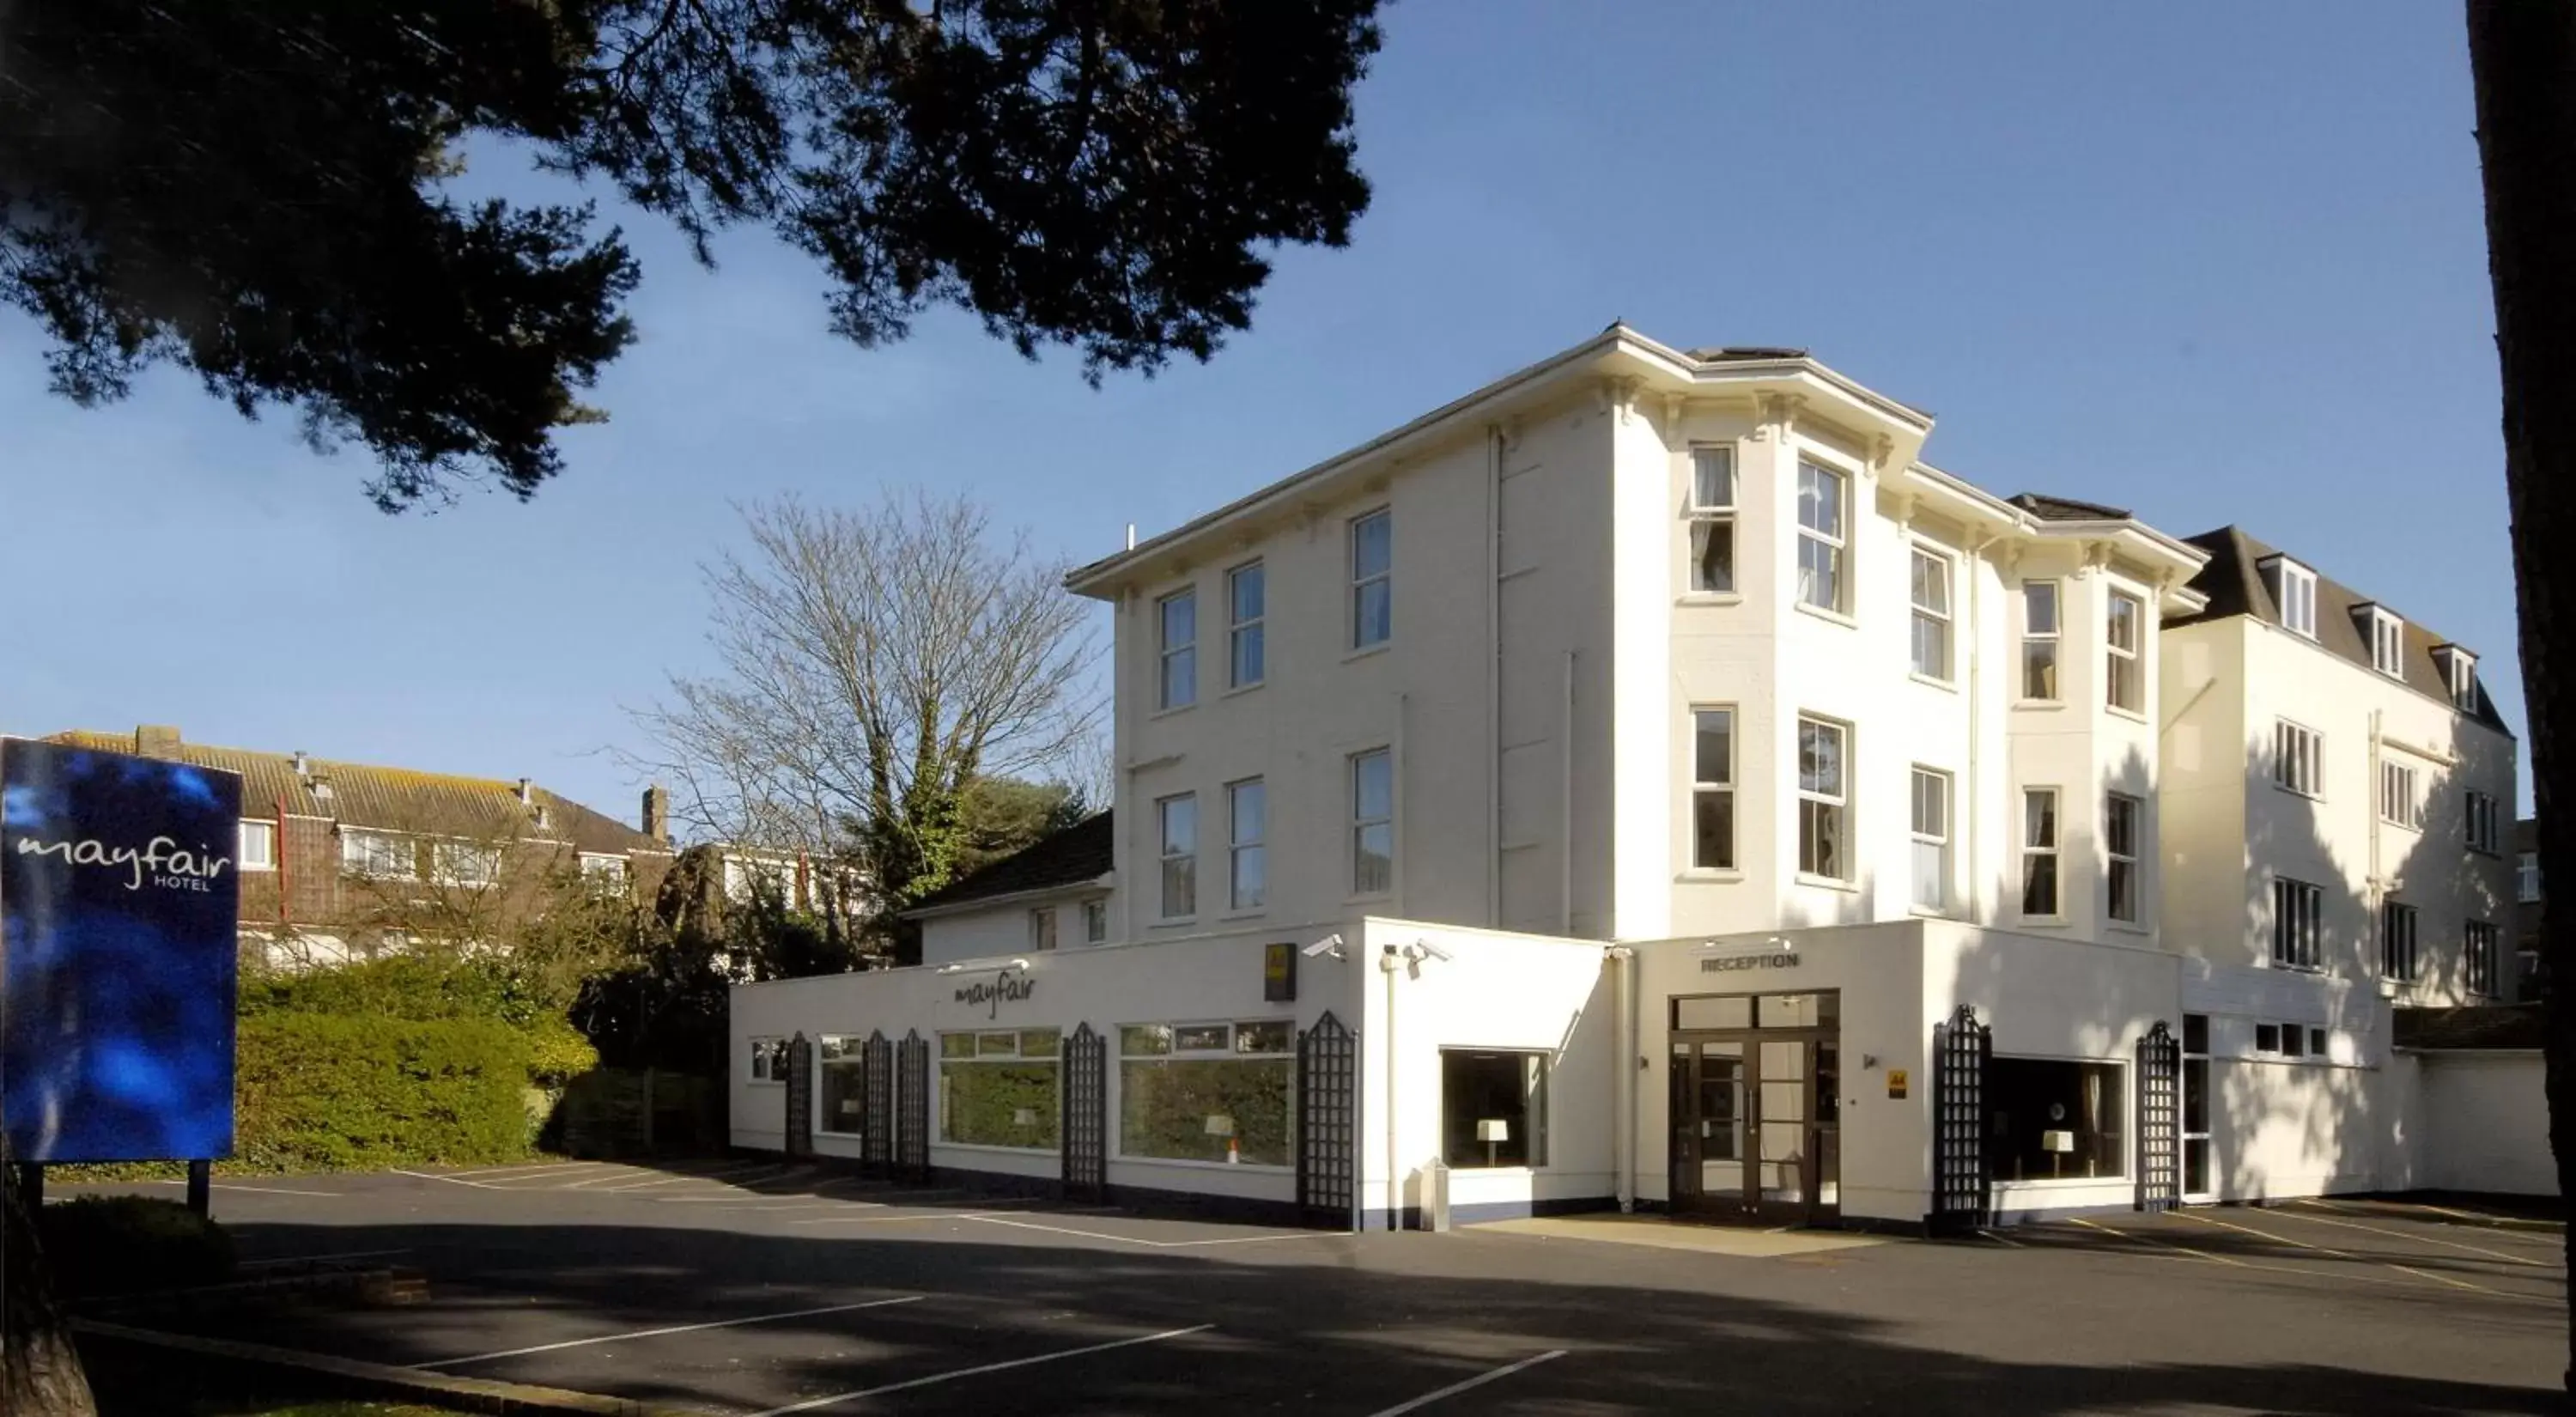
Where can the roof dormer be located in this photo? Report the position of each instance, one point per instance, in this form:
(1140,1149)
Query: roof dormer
(2460,675)
(2385,633)
(2294,593)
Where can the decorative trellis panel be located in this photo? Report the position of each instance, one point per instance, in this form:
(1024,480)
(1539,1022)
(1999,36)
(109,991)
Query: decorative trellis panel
(2159,1119)
(1086,1115)
(912,1107)
(1962,1168)
(1327,1123)
(800,1096)
(876,1143)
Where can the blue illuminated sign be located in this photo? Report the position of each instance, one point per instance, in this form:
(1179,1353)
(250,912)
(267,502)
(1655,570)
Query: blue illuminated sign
(119,905)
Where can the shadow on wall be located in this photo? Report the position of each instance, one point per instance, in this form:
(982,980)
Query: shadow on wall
(1330,1325)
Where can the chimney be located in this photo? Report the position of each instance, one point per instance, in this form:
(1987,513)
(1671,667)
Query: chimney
(524,798)
(157,740)
(657,812)
(303,765)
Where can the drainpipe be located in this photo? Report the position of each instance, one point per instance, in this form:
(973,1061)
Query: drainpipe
(2377,785)
(1494,677)
(1973,782)
(1623,1082)
(1388,962)
(1565,810)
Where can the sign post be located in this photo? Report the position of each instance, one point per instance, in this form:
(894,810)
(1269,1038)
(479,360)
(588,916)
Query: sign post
(119,919)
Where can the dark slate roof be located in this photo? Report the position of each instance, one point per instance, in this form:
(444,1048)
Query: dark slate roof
(2066,509)
(1078,855)
(394,799)
(2233,581)
(2480,1026)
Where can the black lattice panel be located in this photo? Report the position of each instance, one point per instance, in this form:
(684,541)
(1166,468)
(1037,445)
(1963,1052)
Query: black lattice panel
(912,1106)
(1962,1171)
(876,1145)
(1327,1123)
(800,1096)
(1086,1114)
(2159,1119)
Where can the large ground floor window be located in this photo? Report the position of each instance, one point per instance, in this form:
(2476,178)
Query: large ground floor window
(1493,1108)
(2050,1119)
(1207,1091)
(841,1084)
(998,1088)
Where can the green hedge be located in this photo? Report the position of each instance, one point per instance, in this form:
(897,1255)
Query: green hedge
(126,1244)
(321,1092)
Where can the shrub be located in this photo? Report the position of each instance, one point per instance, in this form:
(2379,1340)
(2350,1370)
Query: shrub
(317,1091)
(126,1244)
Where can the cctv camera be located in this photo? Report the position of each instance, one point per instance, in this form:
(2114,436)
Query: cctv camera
(1329,945)
(1422,948)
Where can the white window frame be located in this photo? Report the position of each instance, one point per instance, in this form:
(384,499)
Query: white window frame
(2482,827)
(2294,592)
(2526,877)
(2298,925)
(1710,518)
(1833,545)
(2400,804)
(1241,849)
(2481,942)
(2461,668)
(2298,758)
(1247,630)
(1042,927)
(2387,643)
(2052,639)
(1185,855)
(1824,809)
(448,860)
(2400,961)
(362,860)
(2195,1058)
(1095,920)
(1704,786)
(2124,663)
(254,829)
(1363,581)
(768,1061)
(1176,664)
(1362,822)
(2043,842)
(2114,859)
(1929,821)
(1932,621)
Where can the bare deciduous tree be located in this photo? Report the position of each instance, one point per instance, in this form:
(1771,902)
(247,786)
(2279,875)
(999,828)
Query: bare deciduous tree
(874,663)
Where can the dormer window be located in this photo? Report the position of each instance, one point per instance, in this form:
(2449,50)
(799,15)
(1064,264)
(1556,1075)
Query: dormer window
(2387,636)
(2460,671)
(2294,589)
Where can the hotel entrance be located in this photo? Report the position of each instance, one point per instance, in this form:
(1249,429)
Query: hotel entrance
(1756,1085)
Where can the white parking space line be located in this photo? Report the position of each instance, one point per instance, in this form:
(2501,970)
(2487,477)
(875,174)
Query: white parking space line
(659,1332)
(2338,1254)
(719,1173)
(812,1403)
(2162,1245)
(317,1259)
(1149,1244)
(451,1180)
(531,1168)
(256,1190)
(1479,1380)
(2286,1213)
(886,1219)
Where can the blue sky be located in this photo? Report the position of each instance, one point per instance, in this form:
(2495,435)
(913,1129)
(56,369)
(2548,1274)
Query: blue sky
(2214,263)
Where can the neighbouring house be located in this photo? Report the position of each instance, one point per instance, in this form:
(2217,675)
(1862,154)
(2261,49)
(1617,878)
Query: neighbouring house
(343,861)
(1646,782)
(2527,975)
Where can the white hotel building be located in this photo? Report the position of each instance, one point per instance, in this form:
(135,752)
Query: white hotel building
(1646,782)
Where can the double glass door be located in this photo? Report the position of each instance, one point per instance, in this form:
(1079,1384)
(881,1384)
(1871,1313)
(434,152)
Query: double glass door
(1756,1126)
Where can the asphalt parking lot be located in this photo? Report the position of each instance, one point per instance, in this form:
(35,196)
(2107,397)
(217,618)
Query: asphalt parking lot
(763,1288)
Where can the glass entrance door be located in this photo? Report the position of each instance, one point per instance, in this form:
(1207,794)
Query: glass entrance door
(1756,1123)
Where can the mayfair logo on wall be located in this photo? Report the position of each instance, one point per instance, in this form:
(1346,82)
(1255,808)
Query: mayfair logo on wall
(993,993)
(118,943)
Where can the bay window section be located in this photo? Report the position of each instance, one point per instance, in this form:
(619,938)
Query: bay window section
(1373,822)
(2039,641)
(1176,619)
(2124,634)
(1178,820)
(2121,818)
(1712,521)
(997,1087)
(1931,839)
(1216,1092)
(1823,807)
(1931,591)
(2039,852)
(1821,538)
(1713,789)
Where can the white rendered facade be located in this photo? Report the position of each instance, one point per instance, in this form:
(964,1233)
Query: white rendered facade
(1487,644)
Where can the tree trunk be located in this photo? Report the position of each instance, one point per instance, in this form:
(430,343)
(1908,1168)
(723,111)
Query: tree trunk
(40,1371)
(2522,57)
